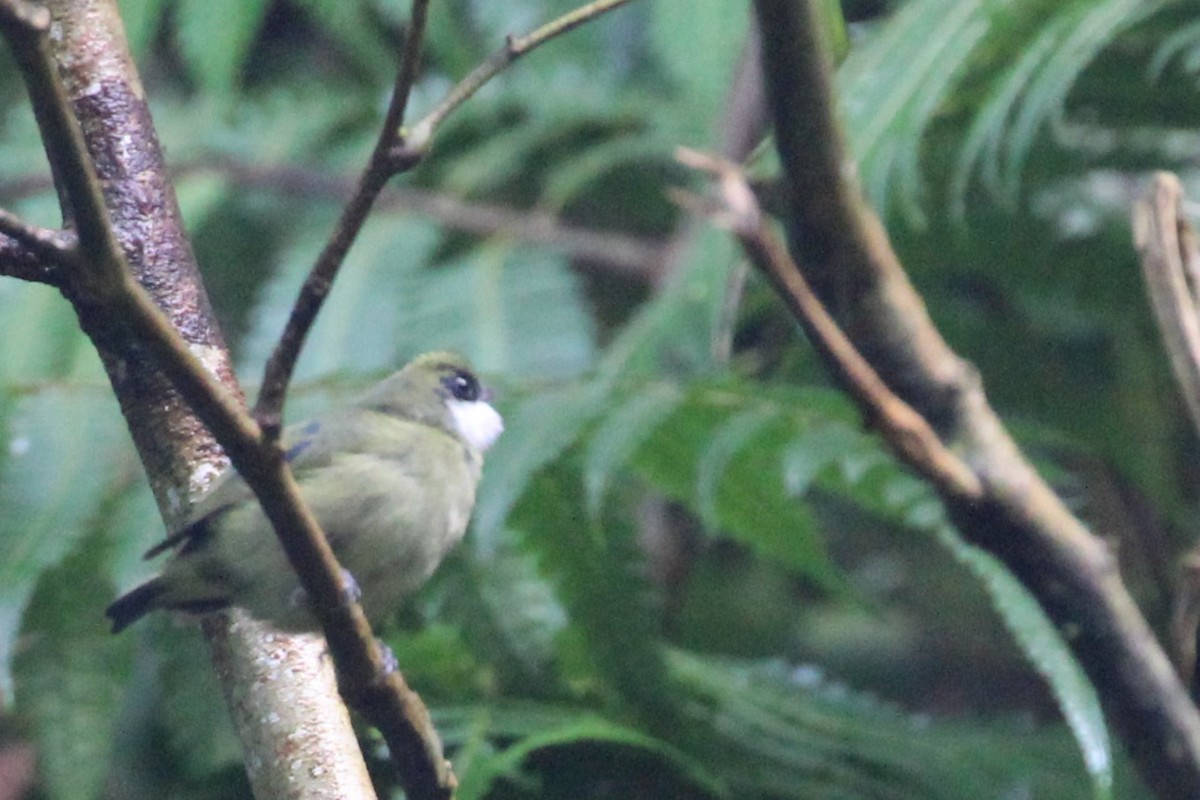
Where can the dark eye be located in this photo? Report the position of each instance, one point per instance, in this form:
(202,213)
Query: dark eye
(462,386)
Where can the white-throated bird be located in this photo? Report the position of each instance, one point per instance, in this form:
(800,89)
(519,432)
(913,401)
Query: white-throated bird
(390,478)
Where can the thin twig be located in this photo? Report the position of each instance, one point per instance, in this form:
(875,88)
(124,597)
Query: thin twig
(418,139)
(380,168)
(598,251)
(396,151)
(906,431)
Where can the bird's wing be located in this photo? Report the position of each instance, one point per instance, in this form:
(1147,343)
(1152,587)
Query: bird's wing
(307,446)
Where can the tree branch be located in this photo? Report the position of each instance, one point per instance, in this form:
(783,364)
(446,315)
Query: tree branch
(396,151)
(380,168)
(848,260)
(32,253)
(906,432)
(125,323)
(599,250)
(416,141)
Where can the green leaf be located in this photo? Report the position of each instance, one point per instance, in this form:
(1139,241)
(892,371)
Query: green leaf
(506,612)
(1031,90)
(889,110)
(539,728)
(594,568)
(620,434)
(721,453)
(1048,652)
(49,482)
(537,432)
(788,732)
(68,671)
(514,311)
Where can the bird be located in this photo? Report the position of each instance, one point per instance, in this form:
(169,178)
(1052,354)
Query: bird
(391,479)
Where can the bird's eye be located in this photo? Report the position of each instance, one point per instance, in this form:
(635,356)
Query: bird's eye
(462,386)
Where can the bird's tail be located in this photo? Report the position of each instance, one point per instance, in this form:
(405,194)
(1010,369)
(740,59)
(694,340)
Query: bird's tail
(134,604)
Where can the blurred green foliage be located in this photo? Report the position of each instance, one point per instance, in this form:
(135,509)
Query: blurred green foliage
(691,572)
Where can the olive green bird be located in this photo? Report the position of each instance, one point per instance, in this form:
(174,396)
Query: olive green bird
(391,479)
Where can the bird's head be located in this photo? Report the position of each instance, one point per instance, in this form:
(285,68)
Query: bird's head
(440,389)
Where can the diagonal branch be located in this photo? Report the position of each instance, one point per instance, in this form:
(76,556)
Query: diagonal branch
(381,166)
(906,431)
(845,253)
(396,151)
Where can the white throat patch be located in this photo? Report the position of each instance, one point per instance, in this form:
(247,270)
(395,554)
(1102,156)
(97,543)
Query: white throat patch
(478,422)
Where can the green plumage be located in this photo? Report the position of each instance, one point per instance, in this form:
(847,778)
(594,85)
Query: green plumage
(391,479)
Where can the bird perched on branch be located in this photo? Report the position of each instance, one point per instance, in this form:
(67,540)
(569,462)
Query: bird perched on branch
(390,478)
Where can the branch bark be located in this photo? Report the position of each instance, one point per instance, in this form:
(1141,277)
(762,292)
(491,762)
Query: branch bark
(845,253)
(132,260)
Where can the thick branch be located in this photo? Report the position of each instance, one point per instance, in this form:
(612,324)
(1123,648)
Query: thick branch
(847,257)
(107,184)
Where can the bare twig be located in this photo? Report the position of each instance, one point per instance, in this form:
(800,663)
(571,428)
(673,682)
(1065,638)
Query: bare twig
(597,250)
(380,168)
(419,138)
(905,431)
(1169,255)
(396,151)
(851,266)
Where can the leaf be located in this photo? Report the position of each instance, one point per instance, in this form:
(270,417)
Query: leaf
(619,436)
(594,569)
(543,727)
(1032,89)
(786,731)
(1048,652)
(506,613)
(888,110)
(514,311)
(49,484)
(69,671)
(537,432)
(721,453)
